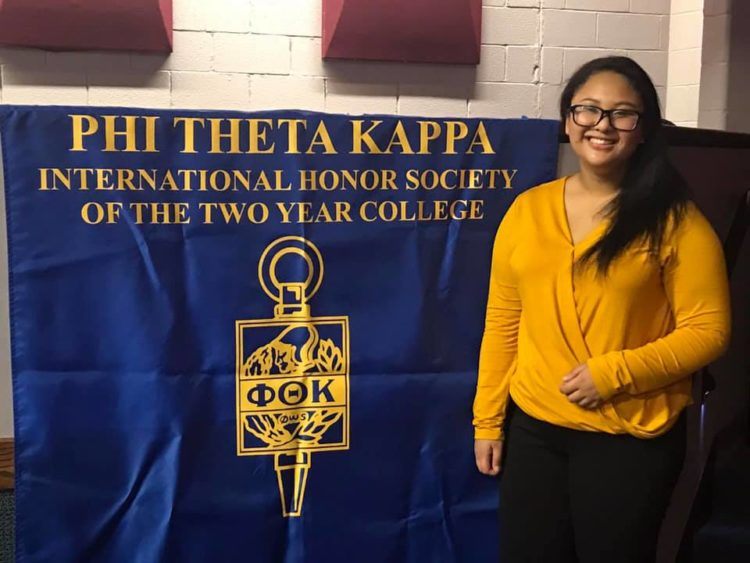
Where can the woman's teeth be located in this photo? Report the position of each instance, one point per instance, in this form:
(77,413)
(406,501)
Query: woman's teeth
(596,141)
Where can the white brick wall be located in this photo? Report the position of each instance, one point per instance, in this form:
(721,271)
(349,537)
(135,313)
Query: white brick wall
(285,17)
(684,63)
(263,54)
(210,90)
(573,58)
(349,97)
(522,64)
(504,100)
(562,28)
(216,15)
(252,54)
(258,54)
(193,51)
(130,89)
(629,31)
(650,6)
(684,67)
(509,26)
(441,101)
(22,86)
(280,92)
(598,5)
(492,62)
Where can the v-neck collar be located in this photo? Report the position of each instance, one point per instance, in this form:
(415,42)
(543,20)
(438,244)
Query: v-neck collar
(593,235)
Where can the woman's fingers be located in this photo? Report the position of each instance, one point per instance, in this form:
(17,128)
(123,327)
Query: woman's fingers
(589,403)
(497,454)
(488,455)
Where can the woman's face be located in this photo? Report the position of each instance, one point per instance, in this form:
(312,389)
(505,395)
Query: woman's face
(602,148)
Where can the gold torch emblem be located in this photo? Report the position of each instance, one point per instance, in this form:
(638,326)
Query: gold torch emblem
(292,373)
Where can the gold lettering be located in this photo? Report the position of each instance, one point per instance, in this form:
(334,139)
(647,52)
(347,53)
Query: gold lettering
(188,136)
(293,133)
(363,212)
(150,133)
(79,131)
(138,208)
(343,210)
(421,214)
(455,131)
(323,138)
(217,135)
(125,178)
(476,209)
(83,177)
(231,212)
(399,139)
(444,179)
(482,139)
(455,212)
(412,179)
(359,136)
(388,211)
(303,212)
(258,135)
(218,176)
(253,216)
(207,208)
(86,214)
(307,180)
(508,178)
(181,213)
(280,187)
(187,179)
(111,133)
(103,179)
(168,182)
(475,179)
(328,180)
(285,211)
(158,213)
(263,182)
(441,210)
(64,177)
(428,131)
(110,210)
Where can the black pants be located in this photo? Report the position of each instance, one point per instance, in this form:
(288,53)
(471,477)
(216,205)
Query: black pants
(568,495)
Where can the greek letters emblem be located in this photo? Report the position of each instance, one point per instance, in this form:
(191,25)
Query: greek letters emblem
(292,372)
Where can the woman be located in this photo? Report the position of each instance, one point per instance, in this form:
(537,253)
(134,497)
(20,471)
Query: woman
(608,290)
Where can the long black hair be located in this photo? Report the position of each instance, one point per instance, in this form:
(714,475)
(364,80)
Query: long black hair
(652,192)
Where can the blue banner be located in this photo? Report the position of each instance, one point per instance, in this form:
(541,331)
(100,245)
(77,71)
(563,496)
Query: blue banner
(253,336)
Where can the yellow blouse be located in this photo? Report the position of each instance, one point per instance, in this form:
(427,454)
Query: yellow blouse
(642,329)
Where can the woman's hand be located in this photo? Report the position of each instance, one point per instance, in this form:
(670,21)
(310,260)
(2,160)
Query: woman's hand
(578,387)
(488,455)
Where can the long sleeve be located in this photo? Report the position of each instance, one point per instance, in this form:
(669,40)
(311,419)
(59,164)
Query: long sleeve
(500,339)
(695,283)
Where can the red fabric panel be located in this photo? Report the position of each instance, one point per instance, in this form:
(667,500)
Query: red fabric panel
(132,25)
(434,31)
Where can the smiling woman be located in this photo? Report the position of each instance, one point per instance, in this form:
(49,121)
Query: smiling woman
(608,290)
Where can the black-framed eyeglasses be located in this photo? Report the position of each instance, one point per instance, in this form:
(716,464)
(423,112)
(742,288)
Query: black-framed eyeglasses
(590,116)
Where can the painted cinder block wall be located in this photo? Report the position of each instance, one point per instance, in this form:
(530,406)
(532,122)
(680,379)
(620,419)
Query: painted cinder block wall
(262,54)
(265,54)
(684,62)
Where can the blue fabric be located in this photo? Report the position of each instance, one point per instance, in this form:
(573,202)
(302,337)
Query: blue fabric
(126,339)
